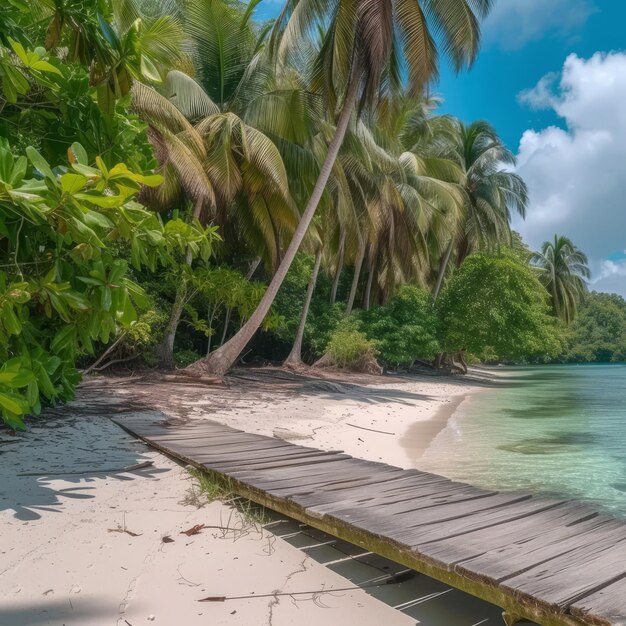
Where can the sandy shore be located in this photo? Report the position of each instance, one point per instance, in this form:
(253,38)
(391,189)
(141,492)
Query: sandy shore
(392,420)
(66,558)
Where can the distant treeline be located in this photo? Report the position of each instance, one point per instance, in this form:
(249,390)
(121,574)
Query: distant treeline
(598,334)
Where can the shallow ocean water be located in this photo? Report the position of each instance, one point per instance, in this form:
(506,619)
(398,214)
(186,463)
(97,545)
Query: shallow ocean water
(552,430)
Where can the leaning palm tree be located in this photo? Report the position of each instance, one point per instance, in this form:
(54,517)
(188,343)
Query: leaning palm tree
(367,45)
(492,192)
(563,270)
(209,144)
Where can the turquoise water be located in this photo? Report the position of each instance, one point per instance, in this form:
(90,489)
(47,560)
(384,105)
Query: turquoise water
(552,430)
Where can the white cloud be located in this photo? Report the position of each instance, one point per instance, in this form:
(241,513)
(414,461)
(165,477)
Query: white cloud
(609,269)
(513,23)
(577,174)
(541,96)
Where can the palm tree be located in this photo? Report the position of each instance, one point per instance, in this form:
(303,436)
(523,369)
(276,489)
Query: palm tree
(491,192)
(563,270)
(232,173)
(365,46)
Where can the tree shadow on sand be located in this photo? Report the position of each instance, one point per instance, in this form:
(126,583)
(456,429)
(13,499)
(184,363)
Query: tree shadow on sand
(70,449)
(54,612)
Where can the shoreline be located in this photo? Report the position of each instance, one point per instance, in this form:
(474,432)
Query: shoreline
(422,434)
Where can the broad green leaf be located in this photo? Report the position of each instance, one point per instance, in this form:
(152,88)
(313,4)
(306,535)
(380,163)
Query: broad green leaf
(10,320)
(106,202)
(93,218)
(85,170)
(40,164)
(151,180)
(77,154)
(10,404)
(44,66)
(18,48)
(101,165)
(72,183)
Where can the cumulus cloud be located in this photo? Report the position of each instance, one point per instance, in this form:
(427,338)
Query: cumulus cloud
(513,23)
(577,174)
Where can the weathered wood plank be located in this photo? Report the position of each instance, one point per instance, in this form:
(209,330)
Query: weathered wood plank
(494,544)
(607,603)
(583,570)
(558,563)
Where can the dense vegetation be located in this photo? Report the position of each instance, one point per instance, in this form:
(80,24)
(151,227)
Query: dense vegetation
(598,334)
(182,185)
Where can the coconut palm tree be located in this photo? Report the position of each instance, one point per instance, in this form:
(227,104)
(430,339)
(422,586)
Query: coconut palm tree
(231,172)
(563,270)
(492,193)
(365,45)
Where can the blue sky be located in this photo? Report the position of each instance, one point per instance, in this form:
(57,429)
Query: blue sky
(551,77)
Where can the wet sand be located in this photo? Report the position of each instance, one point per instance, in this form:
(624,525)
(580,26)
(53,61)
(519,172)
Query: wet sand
(417,439)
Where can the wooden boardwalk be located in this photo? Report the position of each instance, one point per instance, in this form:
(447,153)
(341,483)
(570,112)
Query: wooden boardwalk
(550,561)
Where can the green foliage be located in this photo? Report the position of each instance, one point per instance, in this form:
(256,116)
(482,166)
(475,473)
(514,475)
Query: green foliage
(495,307)
(183,358)
(405,328)
(61,286)
(349,347)
(322,319)
(51,104)
(217,292)
(321,323)
(288,303)
(599,332)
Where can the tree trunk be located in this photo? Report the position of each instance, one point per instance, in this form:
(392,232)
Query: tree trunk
(460,365)
(368,288)
(226,323)
(443,266)
(295,356)
(165,350)
(355,278)
(222,359)
(368,292)
(440,359)
(342,247)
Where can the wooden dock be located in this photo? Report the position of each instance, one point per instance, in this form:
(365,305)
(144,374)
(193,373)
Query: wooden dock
(550,561)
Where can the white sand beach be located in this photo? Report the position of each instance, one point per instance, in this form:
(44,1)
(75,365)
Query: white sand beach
(66,558)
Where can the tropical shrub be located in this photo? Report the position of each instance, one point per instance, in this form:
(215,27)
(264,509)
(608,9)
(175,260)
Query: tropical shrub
(405,328)
(61,286)
(495,306)
(350,347)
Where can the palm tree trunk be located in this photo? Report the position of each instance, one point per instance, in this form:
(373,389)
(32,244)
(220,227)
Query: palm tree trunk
(164,351)
(443,266)
(355,279)
(368,288)
(342,247)
(222,359)
(295,356)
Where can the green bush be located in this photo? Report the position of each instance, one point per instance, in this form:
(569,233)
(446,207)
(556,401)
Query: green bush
(495,306)
(183,358)
(405,328)
(350,347)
